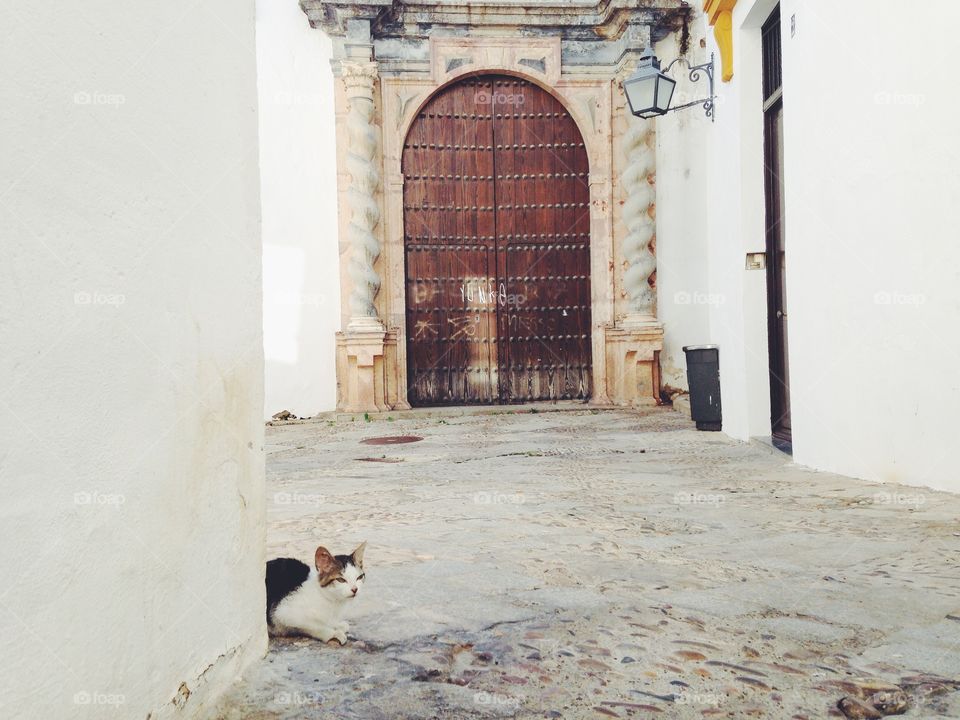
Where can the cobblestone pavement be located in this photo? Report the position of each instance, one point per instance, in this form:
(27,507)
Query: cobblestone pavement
(595,564)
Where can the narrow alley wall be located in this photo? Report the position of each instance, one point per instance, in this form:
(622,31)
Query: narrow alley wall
(301,256)
(131,377)
(683,292)
(872,216)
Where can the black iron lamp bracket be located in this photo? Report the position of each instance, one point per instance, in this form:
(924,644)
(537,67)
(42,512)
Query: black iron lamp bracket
(693,73)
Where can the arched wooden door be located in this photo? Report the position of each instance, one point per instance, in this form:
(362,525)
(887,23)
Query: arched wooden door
(497,246)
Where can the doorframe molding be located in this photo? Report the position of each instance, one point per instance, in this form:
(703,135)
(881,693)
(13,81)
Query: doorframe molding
(588,100)
(624,352)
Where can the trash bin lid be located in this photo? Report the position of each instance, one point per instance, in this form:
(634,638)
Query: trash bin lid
(687,348)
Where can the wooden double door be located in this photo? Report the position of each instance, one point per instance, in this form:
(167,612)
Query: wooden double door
(497,247)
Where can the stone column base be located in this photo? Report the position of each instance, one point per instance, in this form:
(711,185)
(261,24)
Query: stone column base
(366,372)
(360,371)
(633,364)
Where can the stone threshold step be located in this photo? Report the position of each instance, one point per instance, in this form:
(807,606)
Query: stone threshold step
(462,411)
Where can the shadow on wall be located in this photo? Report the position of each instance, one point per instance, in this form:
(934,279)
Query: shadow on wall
(301,286)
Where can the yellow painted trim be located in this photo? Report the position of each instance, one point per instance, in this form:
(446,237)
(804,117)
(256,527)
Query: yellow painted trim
(723,32)
(713,8)
(720,15)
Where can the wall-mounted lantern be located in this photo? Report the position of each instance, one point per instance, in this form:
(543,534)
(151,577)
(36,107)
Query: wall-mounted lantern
(649,90)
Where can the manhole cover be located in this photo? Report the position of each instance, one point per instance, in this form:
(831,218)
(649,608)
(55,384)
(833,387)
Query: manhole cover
(392,440)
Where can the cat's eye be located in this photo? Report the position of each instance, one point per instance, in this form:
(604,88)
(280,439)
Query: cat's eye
(362,576)
(341,579)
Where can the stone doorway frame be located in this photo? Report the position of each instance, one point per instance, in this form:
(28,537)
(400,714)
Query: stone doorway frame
(585,99)
(390,58)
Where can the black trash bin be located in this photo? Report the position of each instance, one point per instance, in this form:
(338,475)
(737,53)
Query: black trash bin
(703,378)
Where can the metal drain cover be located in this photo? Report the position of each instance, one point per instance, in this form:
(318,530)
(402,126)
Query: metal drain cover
(392,440)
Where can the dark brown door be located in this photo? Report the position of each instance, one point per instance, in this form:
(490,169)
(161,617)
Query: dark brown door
(776,247)
(497,230)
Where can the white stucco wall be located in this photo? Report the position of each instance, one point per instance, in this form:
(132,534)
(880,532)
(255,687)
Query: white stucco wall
(735,220)
(131,375)
(683,289)
(872,218)
(873,270)
(298,188)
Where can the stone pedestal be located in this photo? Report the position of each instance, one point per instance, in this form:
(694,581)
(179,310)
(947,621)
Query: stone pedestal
(360,360)
(633,364)
(367,372)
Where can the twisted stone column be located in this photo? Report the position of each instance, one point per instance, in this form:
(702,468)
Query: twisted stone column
(638,147)
(359,80)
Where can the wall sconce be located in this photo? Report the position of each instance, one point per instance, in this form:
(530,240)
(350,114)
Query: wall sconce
(649,90)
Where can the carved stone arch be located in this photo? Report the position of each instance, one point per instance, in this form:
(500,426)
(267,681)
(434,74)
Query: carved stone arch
(577,109)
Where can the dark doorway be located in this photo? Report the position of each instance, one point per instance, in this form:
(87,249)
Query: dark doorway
(775,235)
(497,247)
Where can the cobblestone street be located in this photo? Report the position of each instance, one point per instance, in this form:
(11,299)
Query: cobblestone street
(605,564)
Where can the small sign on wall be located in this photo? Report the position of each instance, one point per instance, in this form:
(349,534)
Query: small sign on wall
(756,261)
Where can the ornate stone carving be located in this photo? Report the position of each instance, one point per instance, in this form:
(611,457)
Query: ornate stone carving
(359,77)
(403,103)
(599,20)
(454,63)
(589,104)
(538,64)
(364,210)
(496,53)
(638,146)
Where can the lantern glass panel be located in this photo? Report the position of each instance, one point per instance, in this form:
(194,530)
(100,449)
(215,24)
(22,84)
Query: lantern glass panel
(665,88)
(641,93)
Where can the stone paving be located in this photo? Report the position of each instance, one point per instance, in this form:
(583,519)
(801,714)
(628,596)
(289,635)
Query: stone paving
(603,564)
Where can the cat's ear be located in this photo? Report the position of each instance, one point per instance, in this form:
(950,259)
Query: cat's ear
(326,563)
(357,554)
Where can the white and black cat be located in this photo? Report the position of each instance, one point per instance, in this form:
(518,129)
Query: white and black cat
(304,600)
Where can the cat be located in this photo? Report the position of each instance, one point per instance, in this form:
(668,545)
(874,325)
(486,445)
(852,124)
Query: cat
(304,600)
